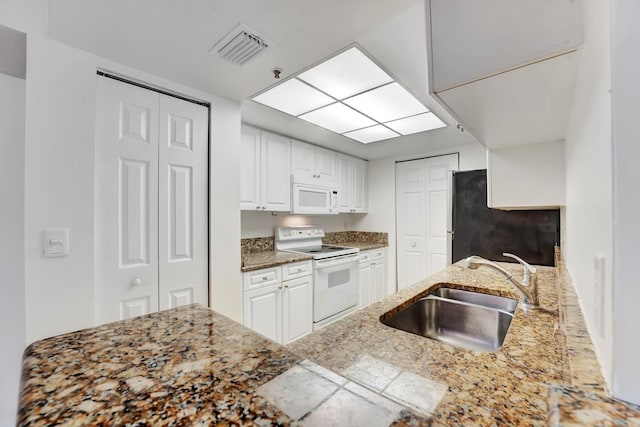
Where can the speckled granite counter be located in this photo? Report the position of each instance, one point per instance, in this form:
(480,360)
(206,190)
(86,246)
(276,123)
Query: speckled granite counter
(185,366)
(259,252)
(257,260)
(192,366)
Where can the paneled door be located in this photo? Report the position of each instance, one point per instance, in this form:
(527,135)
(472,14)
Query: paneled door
(150,201)
(422,208)
(411,217)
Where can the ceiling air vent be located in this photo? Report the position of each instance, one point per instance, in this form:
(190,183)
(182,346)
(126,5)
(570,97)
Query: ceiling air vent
(240,45)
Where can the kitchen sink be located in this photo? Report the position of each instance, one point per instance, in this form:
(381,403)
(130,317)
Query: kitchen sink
(489,301)
(464,319)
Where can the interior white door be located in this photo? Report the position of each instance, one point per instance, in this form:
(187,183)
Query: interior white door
(182,222)
(438,209)
(411,222)
(126,202)
(150,203)
(422,207)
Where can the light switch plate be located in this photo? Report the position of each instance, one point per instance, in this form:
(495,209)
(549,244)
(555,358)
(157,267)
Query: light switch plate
(55,242)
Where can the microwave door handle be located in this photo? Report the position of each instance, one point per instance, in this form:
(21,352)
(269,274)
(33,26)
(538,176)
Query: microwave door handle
(334,262)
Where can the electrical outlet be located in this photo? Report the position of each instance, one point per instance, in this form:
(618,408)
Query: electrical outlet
(598,294)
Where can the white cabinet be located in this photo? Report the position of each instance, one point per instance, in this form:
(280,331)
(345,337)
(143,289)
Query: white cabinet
(278,301)
(373,276)
(527,177)
(352,184)
(314,162)
(265,182)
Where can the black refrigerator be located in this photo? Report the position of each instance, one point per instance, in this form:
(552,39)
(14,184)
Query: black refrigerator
(479,230)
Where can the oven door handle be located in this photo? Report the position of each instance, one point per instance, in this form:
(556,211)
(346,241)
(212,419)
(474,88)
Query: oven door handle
(333,262)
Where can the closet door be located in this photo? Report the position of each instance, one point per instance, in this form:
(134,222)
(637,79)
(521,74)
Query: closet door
(126,201)
(150,200)
(183,262)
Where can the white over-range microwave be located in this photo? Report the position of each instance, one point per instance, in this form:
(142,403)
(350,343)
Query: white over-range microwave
(310,197)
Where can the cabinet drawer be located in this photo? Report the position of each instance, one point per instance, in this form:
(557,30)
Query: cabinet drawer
(365,256)
(259,278)
(377,254)
(295,270)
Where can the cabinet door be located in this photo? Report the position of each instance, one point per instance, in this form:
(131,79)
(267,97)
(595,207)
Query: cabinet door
(364,287)
(359,189)
(250,169)
(297,309)
(344,183)
(263,311)
(275,172)
(302,159)
(325,165)
(378,280)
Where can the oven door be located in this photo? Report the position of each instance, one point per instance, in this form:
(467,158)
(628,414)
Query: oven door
(335,285)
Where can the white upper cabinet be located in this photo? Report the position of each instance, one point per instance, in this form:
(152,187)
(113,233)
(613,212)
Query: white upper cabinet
(352,184)
(314,162)
(265,171)
(505,69)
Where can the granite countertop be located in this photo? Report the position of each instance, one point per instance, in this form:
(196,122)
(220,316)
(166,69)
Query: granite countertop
(187,366)
(363,246)
(265,259)
(191,365)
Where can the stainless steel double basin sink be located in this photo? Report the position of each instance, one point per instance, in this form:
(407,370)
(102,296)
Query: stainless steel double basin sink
(466,319)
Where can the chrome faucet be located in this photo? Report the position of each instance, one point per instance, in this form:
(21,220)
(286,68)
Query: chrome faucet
(528,287)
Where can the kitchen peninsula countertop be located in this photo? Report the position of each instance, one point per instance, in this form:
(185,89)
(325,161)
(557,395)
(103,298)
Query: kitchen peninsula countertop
(191,365)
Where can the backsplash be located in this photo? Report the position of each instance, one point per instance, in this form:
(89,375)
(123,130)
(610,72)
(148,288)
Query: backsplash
(339,237)
(262,244)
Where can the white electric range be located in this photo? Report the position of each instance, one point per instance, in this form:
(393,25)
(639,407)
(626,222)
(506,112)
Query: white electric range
(335,271)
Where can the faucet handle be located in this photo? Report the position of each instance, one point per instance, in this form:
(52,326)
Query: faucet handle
(528,268)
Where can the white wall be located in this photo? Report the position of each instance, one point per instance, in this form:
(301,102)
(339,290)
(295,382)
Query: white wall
(527,176)
(626,203)
(261,224)
(12,304)
(382,195)
(588,212)
(59,185)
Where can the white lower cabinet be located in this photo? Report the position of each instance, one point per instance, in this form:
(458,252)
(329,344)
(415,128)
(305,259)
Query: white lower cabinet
(373,276)
(278,301)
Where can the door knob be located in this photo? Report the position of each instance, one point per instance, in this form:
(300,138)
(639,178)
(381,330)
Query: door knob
(136,282)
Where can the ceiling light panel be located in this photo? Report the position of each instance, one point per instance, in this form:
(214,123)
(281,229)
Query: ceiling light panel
(415,124)
(346,74)
(294,97)
(371,134)
(386,103)
(338,118)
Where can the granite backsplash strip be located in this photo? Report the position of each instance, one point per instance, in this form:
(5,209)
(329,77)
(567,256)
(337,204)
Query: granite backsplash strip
(339,237)
(263,244)
(256,244)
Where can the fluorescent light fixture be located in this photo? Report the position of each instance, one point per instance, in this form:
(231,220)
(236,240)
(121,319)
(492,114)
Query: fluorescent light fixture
(294,97)
(346,74)
(338,118)
(371,134)
(415,124)
(386,103)
(351,95)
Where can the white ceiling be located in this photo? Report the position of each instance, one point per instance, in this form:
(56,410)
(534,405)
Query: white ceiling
(171,39)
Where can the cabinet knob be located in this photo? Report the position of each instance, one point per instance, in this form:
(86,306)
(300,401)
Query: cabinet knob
(264,277)
(258,207)
(413,244)
(264,208)
(286,286)
(299,270)
(136,282)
